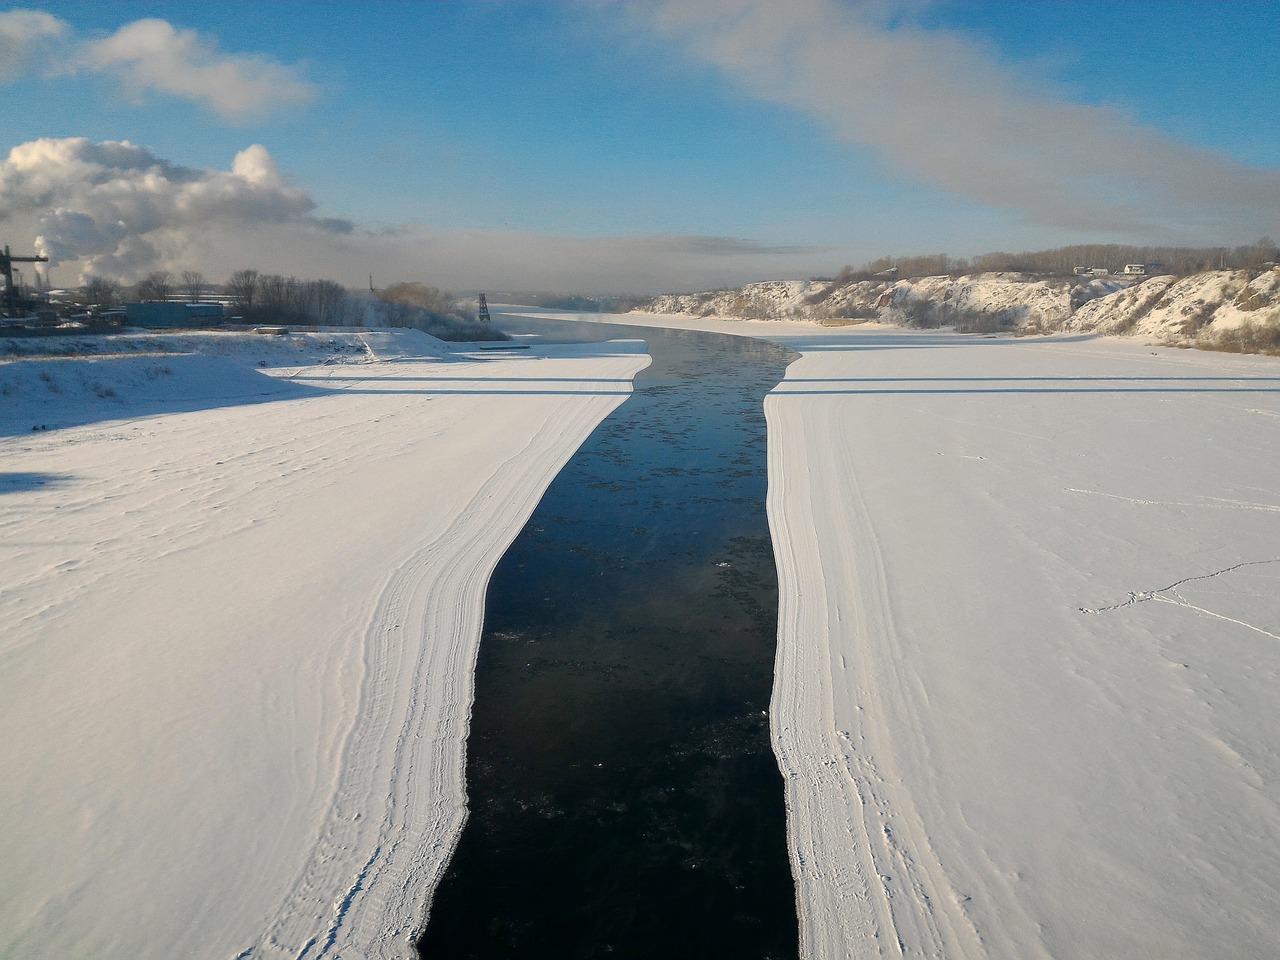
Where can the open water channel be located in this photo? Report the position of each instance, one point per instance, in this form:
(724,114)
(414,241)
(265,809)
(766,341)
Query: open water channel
(625,801)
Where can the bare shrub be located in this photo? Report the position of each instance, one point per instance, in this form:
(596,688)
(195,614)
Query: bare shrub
(978,321)
(1249,299)
(923,314)
(1257,337)
(1155,295)
(1199,317)
(857,312)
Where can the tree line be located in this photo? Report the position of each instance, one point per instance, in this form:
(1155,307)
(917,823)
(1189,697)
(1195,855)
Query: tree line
(269,297)
(255,297)
(1179,261)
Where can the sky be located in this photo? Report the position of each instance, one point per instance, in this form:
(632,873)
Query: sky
(640,147)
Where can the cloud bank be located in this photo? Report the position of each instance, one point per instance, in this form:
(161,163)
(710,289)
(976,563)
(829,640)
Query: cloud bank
(153,56)
(940,109)
(117,209)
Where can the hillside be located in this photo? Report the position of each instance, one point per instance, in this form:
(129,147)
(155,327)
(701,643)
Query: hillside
(1232,309)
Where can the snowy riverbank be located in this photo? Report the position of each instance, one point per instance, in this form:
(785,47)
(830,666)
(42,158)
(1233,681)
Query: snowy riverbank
(1234,310)
(240,618)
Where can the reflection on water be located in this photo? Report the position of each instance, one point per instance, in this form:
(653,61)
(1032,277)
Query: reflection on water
(625,800)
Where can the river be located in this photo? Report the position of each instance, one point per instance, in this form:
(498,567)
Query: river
(624,797)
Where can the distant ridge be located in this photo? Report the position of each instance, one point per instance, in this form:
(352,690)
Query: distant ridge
(1216,309)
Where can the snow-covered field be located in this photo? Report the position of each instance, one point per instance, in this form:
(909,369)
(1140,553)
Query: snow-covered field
(1028,690)
(240,616)
(1027,699)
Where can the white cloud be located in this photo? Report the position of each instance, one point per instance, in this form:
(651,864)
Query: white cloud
(941,109)
(26,38)
(254,165)
(151,55)
(118,209)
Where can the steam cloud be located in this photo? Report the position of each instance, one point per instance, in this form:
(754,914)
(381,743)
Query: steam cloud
(940,109)
(116,209)
(120,210)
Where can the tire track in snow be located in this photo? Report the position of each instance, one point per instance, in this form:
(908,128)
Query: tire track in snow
(868,883)
(400,792)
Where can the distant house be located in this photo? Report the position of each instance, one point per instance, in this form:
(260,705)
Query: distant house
(1135,269)
(158,314)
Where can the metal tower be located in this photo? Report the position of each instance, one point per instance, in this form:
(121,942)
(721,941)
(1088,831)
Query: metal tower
(7,260)
(484,310)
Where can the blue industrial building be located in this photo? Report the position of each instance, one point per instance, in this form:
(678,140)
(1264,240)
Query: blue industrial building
(168,314)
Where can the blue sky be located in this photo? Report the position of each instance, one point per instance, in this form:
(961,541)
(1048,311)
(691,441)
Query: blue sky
(640,147)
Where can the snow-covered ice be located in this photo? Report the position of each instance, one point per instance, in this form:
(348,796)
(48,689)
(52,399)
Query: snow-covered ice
(989,750)
(240,617)
(1026,705)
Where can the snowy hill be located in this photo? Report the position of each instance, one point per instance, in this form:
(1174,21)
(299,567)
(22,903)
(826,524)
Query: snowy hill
(1219,308)
(1239,309)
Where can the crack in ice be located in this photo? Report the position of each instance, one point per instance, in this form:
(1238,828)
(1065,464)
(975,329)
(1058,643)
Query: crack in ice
(1222,502)
(1160,595)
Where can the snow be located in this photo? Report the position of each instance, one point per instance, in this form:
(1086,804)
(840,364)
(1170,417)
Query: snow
(1203,307)
(982,766)
(1230,309)
(1026,697)
(767,299)
(241,613)
(1009,298)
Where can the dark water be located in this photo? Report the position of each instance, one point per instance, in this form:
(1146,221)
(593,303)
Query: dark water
(625,801)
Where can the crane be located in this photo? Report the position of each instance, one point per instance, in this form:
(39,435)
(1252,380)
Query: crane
(7,260)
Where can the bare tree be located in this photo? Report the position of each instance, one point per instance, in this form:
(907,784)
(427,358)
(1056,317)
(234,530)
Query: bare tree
(101,292)
(273,296)
(155,286)
(328,298)
(192,284)
(243,289)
